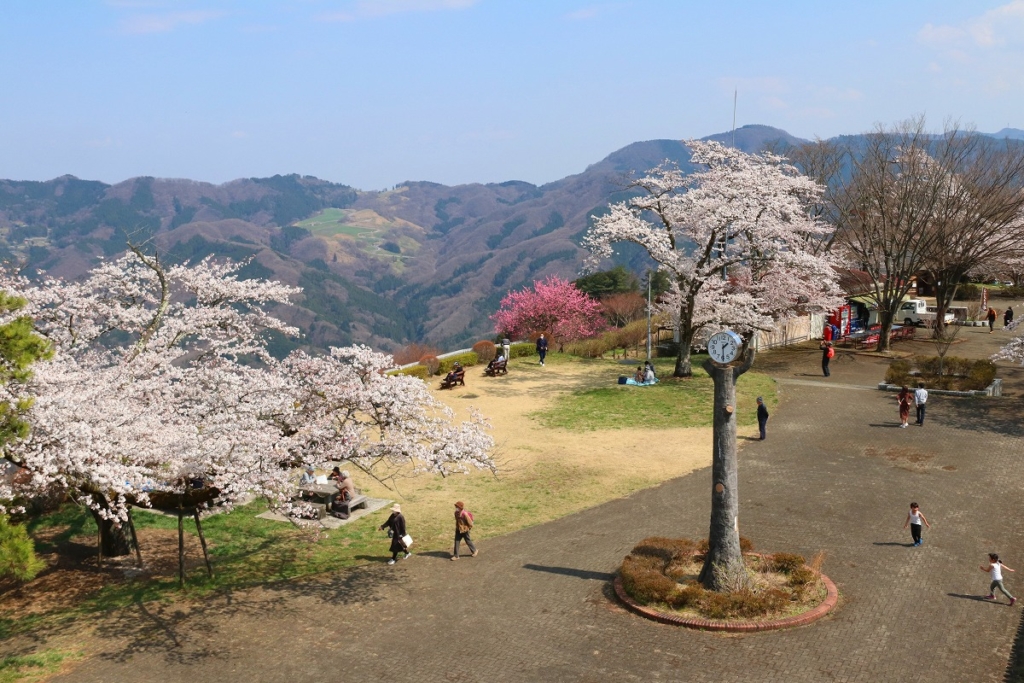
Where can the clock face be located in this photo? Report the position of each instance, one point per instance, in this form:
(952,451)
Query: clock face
(723,347)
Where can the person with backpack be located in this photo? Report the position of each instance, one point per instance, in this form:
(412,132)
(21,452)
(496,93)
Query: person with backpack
(463,525)
(827,352)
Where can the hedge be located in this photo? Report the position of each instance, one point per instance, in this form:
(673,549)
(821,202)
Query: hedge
(465,359)
(414,371)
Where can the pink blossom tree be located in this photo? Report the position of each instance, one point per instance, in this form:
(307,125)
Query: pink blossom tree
(732,237)
(553,306)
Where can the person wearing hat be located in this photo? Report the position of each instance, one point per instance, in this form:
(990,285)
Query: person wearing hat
(463,525)
(762,417)
(396,524)
(308,477)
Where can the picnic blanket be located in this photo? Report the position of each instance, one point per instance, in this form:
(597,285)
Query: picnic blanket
(633,383)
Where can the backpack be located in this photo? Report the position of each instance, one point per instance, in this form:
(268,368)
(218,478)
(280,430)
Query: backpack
(831,352)
(467,517)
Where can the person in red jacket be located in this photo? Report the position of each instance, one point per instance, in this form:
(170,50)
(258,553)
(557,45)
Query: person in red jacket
(827,351)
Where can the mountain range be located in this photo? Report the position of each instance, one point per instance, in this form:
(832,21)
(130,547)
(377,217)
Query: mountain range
(420,262)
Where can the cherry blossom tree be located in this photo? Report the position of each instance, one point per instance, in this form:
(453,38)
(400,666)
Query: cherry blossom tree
(553,306)
(146,395)
(348,408)
(160,389)
(734,239)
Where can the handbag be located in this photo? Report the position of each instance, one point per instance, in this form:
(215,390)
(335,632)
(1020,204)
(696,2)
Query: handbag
(407,541)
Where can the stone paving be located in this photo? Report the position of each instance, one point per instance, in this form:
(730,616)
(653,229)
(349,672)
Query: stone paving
(836,475)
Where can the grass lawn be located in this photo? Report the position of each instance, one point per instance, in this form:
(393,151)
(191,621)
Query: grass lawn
(672,403)
(29,668)
(563,444)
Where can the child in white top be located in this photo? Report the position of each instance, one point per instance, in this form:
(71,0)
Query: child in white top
(914,519)
(995,569)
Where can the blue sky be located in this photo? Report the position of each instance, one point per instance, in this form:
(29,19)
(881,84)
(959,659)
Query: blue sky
(375,92)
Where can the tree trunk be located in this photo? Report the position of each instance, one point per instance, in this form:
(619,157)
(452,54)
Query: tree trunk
(114,540)
(724,558)
(883,334)
(683,367)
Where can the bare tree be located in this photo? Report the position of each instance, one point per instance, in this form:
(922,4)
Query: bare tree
(979,223)
(889,208)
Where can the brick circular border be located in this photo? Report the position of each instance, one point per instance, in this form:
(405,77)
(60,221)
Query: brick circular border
(826,606)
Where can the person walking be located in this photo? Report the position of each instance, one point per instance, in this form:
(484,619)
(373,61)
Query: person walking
(542,348)
(991,319)
(762,417)
(506,347)
(904,400)
(396,527)
(995,569)
(920,398)
(463,525)
(827,352)
(1008,316)
(914,518)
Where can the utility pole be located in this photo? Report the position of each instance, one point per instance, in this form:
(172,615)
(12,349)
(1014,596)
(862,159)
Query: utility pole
(648,314)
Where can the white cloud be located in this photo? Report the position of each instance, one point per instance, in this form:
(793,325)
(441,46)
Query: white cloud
(164,23)
(1002,26)
(373,9)
(981,53)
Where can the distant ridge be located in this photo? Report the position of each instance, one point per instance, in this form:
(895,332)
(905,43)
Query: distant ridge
(1012,133)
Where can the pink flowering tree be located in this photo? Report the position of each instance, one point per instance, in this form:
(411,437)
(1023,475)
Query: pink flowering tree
(733,238)
(553,306)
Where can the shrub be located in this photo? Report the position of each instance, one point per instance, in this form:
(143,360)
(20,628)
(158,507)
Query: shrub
(667,549)
(801,576)
(522,350)
(485,351)
(689,595)
(746,604)
(643,579)
(413,352)
(431,363)
(898,372)
(969,292)
(787,562)
(982,374)
(415,371)
(18,558)
(464,359)
(588,348)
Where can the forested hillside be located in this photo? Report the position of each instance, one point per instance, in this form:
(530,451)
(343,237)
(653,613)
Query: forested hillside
(422,262)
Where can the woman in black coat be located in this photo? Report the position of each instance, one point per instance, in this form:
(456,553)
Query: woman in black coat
(396,522)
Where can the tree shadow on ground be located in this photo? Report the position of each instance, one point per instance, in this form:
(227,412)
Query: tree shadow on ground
(183,631)
(571,571)
(1015,667)
(982,415)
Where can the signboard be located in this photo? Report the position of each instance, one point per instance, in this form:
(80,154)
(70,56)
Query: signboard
(984,298)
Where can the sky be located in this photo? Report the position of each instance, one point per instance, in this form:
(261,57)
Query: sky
(372,93)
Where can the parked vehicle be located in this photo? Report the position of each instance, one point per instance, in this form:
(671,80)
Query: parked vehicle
(918,312)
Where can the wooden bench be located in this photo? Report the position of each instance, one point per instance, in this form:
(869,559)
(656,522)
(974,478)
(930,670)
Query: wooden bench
(358,500)
(498,367)
(454,378)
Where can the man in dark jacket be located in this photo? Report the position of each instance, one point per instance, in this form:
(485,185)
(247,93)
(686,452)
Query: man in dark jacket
(542,348)
(762,417)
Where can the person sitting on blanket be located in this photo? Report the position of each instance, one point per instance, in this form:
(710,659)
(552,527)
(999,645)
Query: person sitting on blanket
(639,375)
(649,376)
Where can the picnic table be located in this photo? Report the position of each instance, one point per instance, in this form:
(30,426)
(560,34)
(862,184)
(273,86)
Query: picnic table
(866,338)
(323,493)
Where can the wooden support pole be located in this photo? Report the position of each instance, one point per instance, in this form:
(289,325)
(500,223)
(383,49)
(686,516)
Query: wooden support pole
(135,538)
(202,540)
(181,545)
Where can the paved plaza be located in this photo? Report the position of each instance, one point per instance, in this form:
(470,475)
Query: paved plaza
(836,475)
